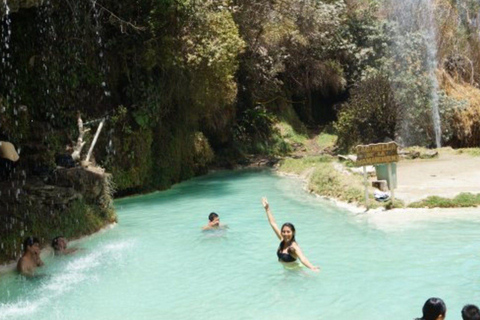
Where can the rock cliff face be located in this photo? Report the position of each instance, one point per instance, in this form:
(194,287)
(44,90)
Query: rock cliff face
(70,202)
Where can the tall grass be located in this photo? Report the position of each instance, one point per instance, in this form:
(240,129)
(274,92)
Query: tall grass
(298,166)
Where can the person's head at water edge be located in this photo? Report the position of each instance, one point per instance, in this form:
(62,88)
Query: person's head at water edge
(470,312)
(434,309)
(59,244)
(31,245)
(30,259)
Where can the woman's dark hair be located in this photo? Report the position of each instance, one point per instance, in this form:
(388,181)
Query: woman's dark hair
(433,308)
(212,216)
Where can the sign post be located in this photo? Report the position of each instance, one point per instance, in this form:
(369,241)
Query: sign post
(390,182)
(365,182)
(379,153)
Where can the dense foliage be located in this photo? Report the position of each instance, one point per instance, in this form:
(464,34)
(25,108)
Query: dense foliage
(370,116)
(184,83)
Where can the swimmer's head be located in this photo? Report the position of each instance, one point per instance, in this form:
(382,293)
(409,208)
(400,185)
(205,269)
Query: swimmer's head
(31,244)
(434,309)
(212,216)
(214,219)
(59,243)
(288,232)
(470,312)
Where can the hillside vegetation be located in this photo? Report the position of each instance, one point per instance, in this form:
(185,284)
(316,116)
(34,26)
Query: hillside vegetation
(189,84)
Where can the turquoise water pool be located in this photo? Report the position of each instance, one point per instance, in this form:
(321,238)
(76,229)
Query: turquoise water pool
(157,264)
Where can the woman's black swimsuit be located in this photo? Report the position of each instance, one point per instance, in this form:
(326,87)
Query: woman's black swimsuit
(284,257)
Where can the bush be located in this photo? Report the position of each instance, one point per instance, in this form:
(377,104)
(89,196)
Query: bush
(255,131)
(462,200)
(369,116)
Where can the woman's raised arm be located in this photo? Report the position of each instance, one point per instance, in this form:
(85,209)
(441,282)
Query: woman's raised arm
(271,219)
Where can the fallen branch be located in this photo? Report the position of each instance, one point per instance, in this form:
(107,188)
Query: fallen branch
(77,149)
(100,126)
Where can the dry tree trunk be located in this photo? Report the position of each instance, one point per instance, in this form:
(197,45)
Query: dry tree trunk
(77,149)
(100,126)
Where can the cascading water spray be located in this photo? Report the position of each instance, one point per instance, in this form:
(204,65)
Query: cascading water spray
(96,15)
(47,41)
(416,31)
(431,42)
(6,35)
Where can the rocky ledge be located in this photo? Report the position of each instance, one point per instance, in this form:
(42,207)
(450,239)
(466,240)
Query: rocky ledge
(70,202)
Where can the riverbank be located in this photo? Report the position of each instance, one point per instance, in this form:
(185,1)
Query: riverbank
(448,180)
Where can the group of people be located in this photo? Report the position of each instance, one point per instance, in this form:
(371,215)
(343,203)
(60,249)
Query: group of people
(288,251)
(30,259)
(435,309)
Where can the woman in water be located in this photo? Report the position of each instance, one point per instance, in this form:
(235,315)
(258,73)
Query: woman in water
(433,309)
(288,251)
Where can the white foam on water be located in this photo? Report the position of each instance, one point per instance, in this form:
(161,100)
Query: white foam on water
(21,308)
(79,270)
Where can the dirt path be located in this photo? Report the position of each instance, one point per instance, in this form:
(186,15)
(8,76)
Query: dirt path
(446,176)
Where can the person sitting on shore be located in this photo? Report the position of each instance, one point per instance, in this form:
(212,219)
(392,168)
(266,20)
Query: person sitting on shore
(434,309)
(470,312)
(59,245)
(30,259)
(214,222)
(288,251)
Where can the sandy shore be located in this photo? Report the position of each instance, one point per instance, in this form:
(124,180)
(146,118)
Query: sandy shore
(408,172)
(445,176)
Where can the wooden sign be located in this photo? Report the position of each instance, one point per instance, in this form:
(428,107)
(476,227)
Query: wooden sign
(376,153)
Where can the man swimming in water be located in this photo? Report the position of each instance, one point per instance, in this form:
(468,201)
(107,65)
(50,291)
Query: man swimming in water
(59,245)
(214,222)
(30,259)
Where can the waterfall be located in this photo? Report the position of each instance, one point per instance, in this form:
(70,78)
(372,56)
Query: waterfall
(431,41)
(416,19)
(6,63)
